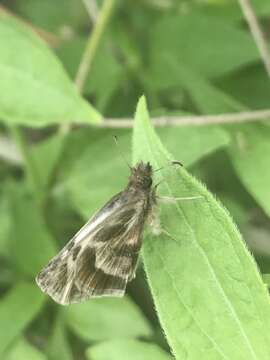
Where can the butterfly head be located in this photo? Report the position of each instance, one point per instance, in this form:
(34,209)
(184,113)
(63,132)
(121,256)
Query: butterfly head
(141,176)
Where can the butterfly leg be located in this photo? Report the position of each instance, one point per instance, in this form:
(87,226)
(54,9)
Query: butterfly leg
(154,220)
(173,200)
(157,230)
(155,225)
(165,232)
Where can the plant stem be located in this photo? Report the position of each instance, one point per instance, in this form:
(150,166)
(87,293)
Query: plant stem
(256,32)
(93,42)
(202,120)
(32,173)
(90,51)
(92,9)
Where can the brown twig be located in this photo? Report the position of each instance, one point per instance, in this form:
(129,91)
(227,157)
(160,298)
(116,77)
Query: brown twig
(256,32)
(231,118)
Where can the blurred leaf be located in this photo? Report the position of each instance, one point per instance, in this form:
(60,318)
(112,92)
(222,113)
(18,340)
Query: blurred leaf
(126,349)
(107,318)
(58,347)
(105,75)
(208,98)
(209,45)
(5,222)
(31,243)
(257,238)
(266,279)
(238,85)
(208,293)
(236,209)
(190,143)
(230,9)
(17,309)
(129,43)
(48,15)
(250,143)
(46,155)
(45,94)
(249,154)
(218,173)
(22,350)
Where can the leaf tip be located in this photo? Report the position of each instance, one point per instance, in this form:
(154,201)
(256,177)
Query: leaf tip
(142,102)
(142,115)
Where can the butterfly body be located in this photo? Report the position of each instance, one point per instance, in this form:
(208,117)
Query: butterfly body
(101,258)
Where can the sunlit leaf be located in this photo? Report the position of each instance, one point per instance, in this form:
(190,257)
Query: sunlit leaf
(208,293)
(34,80)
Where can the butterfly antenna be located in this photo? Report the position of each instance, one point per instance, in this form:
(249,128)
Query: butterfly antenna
(120,152)
(174,162)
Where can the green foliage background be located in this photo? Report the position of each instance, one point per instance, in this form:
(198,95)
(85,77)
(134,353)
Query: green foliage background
(201,295)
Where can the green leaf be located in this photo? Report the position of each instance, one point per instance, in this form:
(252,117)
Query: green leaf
(58,347)
(105,75)
(250,142)
(48,15)
(209,45)
(208,98)
(22,350)
(17,309)
(215,172)
(30,236)
(238,85)
(46,155)
(190,143)
(126,349)
(231,11)
(249,154)
(34,86)
(107,318)
(208,293)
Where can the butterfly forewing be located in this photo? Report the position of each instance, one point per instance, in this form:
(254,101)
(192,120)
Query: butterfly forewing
(101,258)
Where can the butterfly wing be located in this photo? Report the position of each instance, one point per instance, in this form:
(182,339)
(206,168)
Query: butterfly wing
(102,256)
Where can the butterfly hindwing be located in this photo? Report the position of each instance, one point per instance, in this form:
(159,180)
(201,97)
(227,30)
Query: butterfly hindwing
(102,256)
